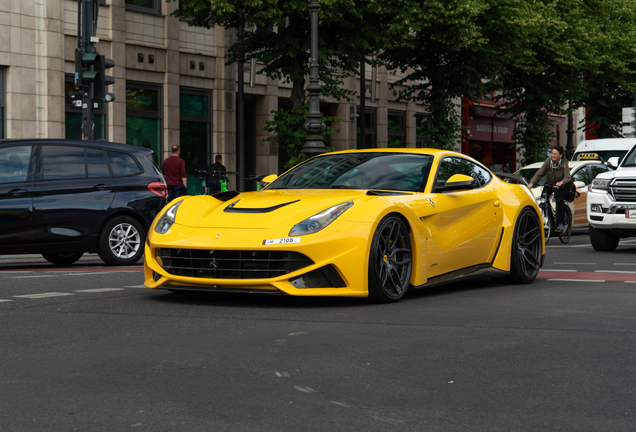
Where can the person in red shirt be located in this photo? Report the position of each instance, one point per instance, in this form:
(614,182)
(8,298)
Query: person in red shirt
(175,173)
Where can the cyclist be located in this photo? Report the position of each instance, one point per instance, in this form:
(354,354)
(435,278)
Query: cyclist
(557,173)
(218,171)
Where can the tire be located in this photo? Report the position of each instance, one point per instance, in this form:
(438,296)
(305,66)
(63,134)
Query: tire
(547,223)
(566,235)
(121,241)
(603,240)
(525,255)
(390,261)
(62,259)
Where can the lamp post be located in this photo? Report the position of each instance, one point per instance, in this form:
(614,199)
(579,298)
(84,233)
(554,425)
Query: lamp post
(314,126)
(569,147)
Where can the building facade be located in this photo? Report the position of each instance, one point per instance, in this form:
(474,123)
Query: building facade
(172,87)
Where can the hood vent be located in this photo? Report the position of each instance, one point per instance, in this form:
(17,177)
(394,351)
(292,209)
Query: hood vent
(232,209)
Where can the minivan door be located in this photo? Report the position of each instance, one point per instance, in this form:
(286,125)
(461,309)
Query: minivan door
(72,193)
(16,195)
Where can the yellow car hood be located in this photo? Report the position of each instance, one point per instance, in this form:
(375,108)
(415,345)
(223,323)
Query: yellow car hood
(265,209)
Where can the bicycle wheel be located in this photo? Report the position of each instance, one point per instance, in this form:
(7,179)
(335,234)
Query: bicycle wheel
(547,222)
(566,234)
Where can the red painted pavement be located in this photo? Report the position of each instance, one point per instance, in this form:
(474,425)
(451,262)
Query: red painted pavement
(587,275)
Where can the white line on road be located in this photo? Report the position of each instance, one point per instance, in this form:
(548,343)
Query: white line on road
(99,290)
(3,300)
(613,271)
(575,280)
(574,263)
(559,270)
(49,294)
(136,286)
(24,277)
(624,263)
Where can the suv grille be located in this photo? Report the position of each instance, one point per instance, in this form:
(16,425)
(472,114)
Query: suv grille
(230,264)
(624,190)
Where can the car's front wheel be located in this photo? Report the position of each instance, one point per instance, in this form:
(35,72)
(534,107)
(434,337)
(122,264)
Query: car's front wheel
(603,240)
(525,256)
(390,260)
(121,241)
(61,259)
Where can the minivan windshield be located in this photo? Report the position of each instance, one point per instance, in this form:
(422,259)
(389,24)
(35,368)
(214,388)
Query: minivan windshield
(384,171)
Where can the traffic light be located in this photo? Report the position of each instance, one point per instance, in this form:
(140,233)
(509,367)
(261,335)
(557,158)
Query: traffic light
(102,80)
(83,73)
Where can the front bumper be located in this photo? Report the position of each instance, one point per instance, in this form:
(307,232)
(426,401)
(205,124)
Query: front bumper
(339,252)
(605,213)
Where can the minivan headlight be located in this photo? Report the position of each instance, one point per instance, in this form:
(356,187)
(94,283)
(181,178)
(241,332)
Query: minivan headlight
(167,219)
(319,221)
(599,185)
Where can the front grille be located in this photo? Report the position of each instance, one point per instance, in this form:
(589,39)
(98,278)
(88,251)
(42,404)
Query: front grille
(230,264)
(624,190)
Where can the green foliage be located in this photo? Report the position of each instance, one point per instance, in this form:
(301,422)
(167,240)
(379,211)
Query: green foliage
(287,132)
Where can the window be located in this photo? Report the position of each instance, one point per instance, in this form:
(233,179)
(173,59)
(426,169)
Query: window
(582,175)
(147,6)
(456,165)
(73,114)
(195,134)
(96,163)
(143,117)
(122,164)
(370,129)
(422,130)
(396,129)
(2,103)
(14,163)
(62,162)
(597,169)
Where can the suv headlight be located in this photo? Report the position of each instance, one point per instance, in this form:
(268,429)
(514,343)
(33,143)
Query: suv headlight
(599,185)
(319,221)
(167,219)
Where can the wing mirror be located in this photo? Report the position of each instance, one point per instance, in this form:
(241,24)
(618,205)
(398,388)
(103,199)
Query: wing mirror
(457,182)
(613,162)
(267,180)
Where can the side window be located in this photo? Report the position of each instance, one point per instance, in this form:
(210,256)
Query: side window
(122,164)
(62,162)
(582,175)
(598,169)
(14,163)
(96,163)
(455,165)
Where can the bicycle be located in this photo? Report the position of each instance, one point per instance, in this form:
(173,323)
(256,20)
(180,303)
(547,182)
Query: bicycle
(548,216)
(221,175)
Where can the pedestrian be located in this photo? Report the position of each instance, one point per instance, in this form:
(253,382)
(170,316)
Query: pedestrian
(175,173)
(217,172)
(557,173)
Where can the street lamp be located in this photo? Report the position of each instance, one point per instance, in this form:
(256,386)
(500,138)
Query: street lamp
(569,147)
(314,126)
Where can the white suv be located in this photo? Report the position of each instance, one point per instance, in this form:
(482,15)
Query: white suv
(611,204)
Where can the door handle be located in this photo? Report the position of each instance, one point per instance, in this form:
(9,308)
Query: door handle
(102,186)
(17,192)
(497,203)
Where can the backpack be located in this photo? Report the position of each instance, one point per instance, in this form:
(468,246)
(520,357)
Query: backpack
(571,192)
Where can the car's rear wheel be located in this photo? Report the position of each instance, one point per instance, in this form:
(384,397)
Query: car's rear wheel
(390,260)
(603,240)
(121,241)
(525,256)
(65,258)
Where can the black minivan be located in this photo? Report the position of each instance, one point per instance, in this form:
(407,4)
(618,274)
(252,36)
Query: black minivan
(63,198)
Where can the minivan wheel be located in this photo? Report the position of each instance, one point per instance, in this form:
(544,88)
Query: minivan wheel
(121,241)
(65,258)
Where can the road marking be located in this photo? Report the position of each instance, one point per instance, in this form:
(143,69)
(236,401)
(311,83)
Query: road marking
(559,270)
(282,374)
(624,263)
(575,280)
(136,286)
(569,263)
(305,389)
(25,277)
(84,274)
(630,281)
(614,271)
(99,290)
(49,294)
(589,276)
(3,300)
(342,404)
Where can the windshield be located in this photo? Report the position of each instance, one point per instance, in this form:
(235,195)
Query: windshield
(385,171)
(528,173)
(630,159)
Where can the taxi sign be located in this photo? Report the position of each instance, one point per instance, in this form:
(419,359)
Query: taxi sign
(587,156)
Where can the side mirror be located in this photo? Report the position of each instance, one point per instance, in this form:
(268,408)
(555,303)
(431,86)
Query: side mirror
(268,179)
(457,182)
(579,184)
(613,162)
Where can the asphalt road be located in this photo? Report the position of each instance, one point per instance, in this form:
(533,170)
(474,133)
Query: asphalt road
(87,348)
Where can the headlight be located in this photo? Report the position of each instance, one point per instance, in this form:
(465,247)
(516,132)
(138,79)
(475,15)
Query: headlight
(167,219)
(600,185)
(320,220)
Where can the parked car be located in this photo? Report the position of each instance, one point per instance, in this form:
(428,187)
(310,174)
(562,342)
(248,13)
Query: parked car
(356,223)
(611,205)
(582,173)
(64,198)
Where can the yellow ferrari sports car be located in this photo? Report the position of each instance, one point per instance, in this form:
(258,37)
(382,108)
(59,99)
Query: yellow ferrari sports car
(354,223)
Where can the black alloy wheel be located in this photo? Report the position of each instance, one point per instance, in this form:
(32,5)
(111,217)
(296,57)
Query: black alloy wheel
(390,260)
(62,258)
(525,256)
